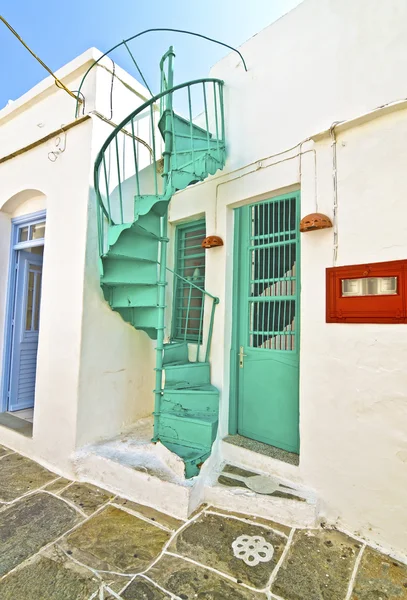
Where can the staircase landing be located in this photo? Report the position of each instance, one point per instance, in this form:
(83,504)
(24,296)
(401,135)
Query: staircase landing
(142,471)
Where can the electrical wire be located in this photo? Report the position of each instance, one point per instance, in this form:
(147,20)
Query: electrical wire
(111,88)
(58,82)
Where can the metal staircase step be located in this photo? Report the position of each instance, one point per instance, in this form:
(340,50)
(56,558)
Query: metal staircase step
(150,202)
(175,351)
(182,127)
(146,317)
(131,246)
(130,316)
(128,296)
(192,401)
(188,374)
(196,431)
(193,457)
(121,272)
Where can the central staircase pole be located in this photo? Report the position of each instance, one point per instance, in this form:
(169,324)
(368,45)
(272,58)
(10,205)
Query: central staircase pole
(162,282)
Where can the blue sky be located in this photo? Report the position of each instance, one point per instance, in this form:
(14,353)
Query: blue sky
(59,31)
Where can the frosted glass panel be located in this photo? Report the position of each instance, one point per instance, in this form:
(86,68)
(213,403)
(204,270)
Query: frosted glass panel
(370,286)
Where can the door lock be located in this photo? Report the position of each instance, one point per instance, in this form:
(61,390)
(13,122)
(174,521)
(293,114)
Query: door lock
(241,357)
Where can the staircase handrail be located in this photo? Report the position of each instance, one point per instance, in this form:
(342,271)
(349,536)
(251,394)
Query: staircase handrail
(215,298)
(129,118)
(137,35)
(215,302)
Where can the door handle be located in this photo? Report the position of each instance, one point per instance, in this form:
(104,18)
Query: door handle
(241,357)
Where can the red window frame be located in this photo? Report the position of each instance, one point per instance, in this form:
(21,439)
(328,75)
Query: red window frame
(366,309)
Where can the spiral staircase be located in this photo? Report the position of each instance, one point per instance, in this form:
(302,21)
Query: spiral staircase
(135,179)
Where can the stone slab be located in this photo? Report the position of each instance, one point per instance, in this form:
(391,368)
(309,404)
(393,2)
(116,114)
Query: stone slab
(30,524)
(151,514)
(4,451)
(49,576)
(318,565)
(87,497)
(114,540)
(58,485)
(189,581)
(380,577)
(258,520)
(19,475)
(208,540)
(141,589)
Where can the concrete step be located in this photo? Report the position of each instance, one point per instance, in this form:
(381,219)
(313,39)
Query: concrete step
(142,471)
(236,489)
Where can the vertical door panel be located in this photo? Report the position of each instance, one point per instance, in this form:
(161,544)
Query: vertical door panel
(268,340)
(25,331)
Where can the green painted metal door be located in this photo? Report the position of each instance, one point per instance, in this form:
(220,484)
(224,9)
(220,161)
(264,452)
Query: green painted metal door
(266,321)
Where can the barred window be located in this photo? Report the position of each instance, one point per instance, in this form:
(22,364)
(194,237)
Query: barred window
(190,264)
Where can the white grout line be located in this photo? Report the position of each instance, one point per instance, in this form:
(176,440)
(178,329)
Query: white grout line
(355,572)
(273,596)
(55,541)
(247,521)
(159,587)
(282,559)
(166,545)
(8,453)
(78,562)
(141,517)
(220,573)
(63,489)
(109,589)
(30,493)
(68,502)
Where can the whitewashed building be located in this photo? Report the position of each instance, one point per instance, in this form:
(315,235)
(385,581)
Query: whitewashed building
(306,383)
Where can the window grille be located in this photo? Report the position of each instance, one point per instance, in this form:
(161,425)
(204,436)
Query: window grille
(189,264)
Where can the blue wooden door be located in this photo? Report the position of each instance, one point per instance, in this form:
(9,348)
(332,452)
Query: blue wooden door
(26,320)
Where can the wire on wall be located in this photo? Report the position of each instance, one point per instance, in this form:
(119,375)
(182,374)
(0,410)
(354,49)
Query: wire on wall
(335,192)
(60,146)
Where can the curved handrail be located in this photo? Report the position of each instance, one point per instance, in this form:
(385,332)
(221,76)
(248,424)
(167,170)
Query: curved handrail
(130,117)
(215,302)
(215,298)
(133,37)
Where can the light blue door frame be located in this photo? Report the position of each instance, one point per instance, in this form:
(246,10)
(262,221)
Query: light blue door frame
(22,314)
(24,344)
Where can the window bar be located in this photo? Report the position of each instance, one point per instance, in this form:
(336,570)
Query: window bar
(135,158)
(154,155)
(200,327)
(216,116)
(206,113)
(222,116)
(187,313)
(190,123)
(210,331)
(174,165)
(107,188)
(119,177)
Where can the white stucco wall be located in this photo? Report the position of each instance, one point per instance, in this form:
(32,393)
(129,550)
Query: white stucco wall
(326,61)
(94,372)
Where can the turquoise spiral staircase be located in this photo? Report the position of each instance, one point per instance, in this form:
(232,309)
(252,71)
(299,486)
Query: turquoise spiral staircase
(135,180)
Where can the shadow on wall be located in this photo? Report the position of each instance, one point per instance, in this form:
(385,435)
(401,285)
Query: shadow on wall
(117,361)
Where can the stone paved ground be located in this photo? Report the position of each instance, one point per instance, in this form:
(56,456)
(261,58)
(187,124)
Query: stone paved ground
(63,540)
